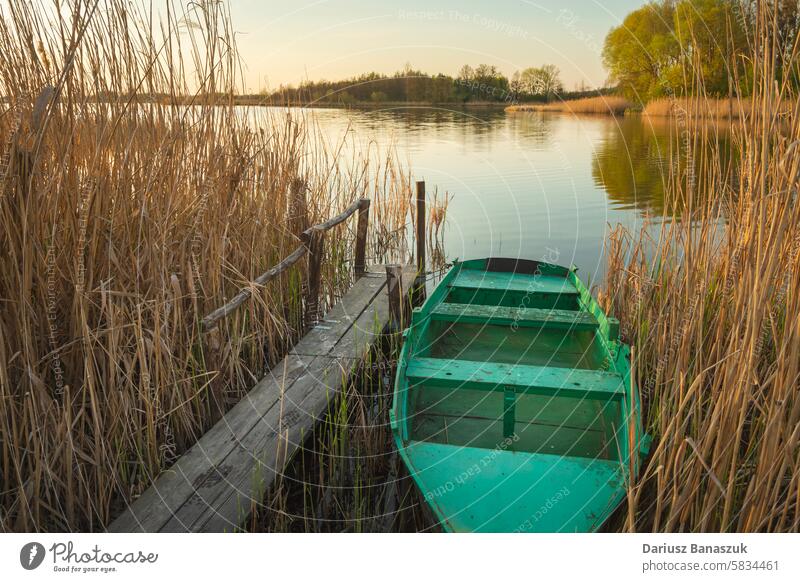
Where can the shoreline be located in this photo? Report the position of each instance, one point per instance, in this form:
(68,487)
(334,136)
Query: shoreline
(370,105)
(663,108)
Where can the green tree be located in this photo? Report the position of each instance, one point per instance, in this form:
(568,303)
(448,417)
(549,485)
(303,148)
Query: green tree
(441,89)
(483,83)
(415,84)
(642,54)
(664,47)
(711,42)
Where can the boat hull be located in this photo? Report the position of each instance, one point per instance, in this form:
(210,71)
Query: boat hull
(514,408)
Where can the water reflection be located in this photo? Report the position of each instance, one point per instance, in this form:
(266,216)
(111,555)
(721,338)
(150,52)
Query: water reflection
(632,164)
(634,158)
(526,183)
(535,129)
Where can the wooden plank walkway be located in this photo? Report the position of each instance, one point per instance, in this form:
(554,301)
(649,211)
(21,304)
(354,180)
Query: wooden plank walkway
(214,485)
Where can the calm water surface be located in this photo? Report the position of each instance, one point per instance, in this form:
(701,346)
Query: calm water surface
(532,185)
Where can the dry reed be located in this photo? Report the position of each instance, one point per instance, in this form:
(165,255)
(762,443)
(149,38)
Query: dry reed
(712,305)
(609,105)
(711,108)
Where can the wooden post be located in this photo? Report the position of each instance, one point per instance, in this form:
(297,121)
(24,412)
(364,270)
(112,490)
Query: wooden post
(394,288)
(420,228)
(211,356)
(316,248)
(361,238)
(298,208)
(418,291)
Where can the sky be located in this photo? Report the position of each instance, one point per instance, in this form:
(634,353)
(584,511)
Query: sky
(288,42)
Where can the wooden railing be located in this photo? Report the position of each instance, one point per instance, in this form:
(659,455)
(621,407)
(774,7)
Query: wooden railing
(312,242)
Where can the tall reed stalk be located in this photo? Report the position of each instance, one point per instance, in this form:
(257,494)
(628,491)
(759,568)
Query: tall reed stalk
(712,304)
(125,217)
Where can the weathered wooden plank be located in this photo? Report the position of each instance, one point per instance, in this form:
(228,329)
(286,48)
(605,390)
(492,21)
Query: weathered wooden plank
(321,339)
(177,484)
(515,316)
(371,323)
(224,498)
(394,289)
(525,379)
(330,223)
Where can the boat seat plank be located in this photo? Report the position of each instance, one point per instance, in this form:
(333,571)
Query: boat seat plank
(499,281)
(557,348)
(591,414)
(516,316)
(524,379)
(529,437)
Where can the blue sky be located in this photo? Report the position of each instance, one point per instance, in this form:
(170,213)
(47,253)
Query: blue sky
(287,42)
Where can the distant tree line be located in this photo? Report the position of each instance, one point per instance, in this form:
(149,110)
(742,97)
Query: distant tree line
(483,83)
(665,47)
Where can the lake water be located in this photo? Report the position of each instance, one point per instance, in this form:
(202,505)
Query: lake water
(532,185)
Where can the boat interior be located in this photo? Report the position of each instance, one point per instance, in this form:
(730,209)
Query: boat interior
(520,367)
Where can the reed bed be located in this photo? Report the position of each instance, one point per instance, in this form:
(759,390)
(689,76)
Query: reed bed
(607,105)
(711,108)
(125,217)
(711,304)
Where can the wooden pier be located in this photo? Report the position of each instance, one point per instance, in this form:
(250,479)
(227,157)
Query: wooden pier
(215,485)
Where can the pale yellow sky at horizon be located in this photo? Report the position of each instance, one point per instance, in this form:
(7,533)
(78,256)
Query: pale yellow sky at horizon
(284,44)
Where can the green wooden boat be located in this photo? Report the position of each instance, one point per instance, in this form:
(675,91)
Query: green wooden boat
(514,408)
